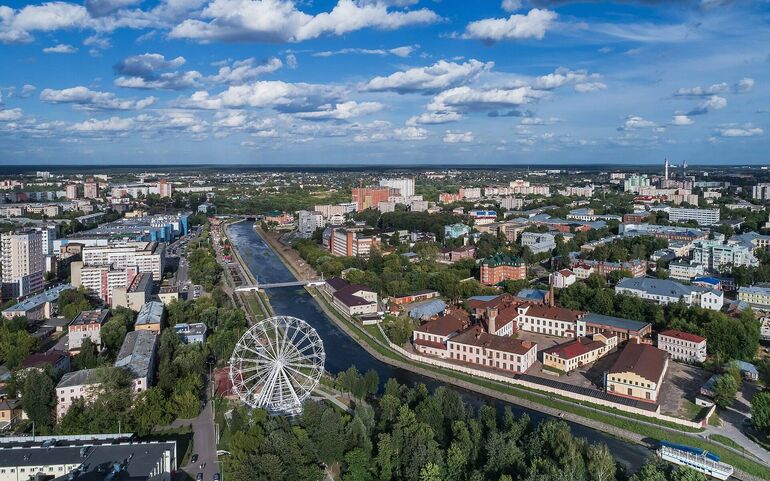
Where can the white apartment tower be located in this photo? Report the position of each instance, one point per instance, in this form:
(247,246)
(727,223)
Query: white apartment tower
(23,262)
(404,185)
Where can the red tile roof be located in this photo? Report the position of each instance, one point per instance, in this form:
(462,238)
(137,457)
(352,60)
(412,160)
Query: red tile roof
(557,313)
(685,336)
(453,321)
(641,359)
(475,336)
(575,348)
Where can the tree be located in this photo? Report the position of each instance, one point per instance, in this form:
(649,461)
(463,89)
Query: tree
(430,472)
(87,357)
(760,411)
(600,463)
(39,392)
(725,389)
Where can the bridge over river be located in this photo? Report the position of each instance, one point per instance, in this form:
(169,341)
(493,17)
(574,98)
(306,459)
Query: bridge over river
(272,285)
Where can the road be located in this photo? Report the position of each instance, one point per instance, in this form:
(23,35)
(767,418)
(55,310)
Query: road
(204,444)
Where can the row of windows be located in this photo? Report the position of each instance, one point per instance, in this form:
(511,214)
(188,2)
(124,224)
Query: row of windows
(633,383)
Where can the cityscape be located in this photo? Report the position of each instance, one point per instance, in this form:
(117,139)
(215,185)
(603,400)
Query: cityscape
(384,240)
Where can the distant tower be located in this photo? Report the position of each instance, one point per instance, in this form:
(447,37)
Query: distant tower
(665,170)
(684,169)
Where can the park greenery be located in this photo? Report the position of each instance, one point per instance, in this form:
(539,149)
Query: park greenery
(203,266)
(411,434)
(15,342)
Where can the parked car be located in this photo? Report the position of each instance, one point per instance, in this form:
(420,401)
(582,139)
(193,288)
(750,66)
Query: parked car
(194,459)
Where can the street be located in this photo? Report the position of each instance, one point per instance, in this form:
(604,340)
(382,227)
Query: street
(204,444)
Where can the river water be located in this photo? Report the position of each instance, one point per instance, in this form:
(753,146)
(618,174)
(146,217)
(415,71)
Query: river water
(343,352)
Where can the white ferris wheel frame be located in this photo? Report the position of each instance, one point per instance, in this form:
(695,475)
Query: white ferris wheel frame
(277,364)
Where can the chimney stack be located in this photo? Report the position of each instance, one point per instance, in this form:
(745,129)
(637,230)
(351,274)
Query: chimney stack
(551,297)
(491,316)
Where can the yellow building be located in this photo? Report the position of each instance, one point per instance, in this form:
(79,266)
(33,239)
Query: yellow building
(754,295)
(579,352)
(150,317)
(638,372)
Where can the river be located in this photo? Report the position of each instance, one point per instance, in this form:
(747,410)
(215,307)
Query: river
(343,352)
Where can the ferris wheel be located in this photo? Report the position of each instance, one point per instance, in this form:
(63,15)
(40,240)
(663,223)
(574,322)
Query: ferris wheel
(276,364)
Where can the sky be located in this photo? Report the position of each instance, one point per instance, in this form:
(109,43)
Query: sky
(384,82)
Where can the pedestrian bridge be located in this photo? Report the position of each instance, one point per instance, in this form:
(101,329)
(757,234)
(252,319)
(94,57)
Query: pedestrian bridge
(258,286)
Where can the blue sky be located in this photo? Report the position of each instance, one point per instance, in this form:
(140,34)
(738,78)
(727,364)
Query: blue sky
(384,82)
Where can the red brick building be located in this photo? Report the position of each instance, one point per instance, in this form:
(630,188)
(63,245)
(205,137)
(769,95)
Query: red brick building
(369,197)
(499,268)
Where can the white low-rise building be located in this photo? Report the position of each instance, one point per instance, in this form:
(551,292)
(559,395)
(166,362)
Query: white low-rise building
(683,346)
(666,291)
(684,271)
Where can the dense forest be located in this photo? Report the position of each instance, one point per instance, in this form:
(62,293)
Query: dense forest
(411,434)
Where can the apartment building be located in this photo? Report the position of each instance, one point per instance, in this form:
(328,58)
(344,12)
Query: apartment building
(146,256)
(22,262)
(103,280)
(308,222)
(638,373)
(501,268)
(685,271)
(585,267)
(352,299)
(370,197)
(134,294)
(87,325)
(701,216)
(404,186)
(91,189)
(341,241)
(716,255)
(150,317)
(683,346)
(538,242)
(137,356)
(83,384)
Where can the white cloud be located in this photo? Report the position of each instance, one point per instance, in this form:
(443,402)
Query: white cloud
(27,90)
(281,21)
(153,71)
(539,121)
(634,122)
(681,119)
(516,27)
(16,25)
(9,115)
(291,61)
(403,52)
(88,99)
(584,81)
(589,87)
(243,71)
(715,102)
(113,124)
(745,85)
(341,111)
(283,96)
(410,133)
(434,118)
(469,99)
(436,77)
(511,5)
(743,131)
(97,41)
(451,137)
(60,48)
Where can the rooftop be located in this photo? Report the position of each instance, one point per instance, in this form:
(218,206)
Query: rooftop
(641,359)
(454,320)
(150,313)
(574,348)
(96,316)
(79,378)
(194,329)
(685,336)
(501,260)
(39,359)
(39,299)
(137,353)
(617,322)
(659,287)
(475,336)
(140,282)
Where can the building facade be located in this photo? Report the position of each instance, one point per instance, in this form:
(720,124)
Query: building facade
(23,262)
(638,373)
(683,346)
(498,268)
(701,216)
